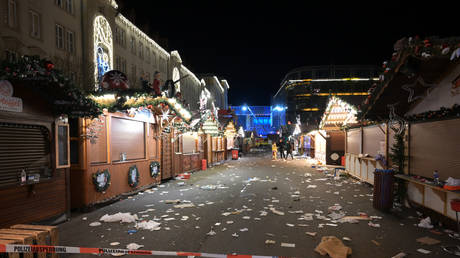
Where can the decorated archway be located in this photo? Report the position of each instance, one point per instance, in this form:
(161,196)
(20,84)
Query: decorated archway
(103,48)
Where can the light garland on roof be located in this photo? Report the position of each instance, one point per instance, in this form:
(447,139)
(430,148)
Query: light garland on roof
(210,127)
(335,80)
(192,75)
(339,113)
(225,82)
(141,33)
(108,100)
(218,83)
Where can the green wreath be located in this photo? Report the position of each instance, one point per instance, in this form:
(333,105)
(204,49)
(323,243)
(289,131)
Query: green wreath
(133,176)
(154,169)
(101,180)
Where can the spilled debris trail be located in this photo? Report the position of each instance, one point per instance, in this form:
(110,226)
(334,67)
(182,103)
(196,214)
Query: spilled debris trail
(260,207)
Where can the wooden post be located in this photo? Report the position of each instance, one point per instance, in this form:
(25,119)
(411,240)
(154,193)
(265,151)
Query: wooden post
(387,135)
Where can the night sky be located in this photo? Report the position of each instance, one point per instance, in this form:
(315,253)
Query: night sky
(253,44)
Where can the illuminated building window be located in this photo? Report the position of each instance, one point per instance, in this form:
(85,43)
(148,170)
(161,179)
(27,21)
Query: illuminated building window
(103,48)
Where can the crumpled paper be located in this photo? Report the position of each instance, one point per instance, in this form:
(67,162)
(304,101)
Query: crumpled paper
(333,246)
(122,217)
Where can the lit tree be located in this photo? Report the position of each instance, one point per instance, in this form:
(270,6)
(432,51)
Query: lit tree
(241,131)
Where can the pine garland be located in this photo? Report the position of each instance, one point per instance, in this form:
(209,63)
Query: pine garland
(51,84)
(397,155)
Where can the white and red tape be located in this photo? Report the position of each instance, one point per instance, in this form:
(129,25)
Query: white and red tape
(91,250)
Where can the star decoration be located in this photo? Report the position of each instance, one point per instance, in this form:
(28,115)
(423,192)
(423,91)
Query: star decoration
(165,116)
(410,88)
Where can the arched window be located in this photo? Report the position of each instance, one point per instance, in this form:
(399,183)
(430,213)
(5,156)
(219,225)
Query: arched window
(103,48)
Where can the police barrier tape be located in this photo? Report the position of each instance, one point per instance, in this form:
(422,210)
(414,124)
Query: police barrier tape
(90,250)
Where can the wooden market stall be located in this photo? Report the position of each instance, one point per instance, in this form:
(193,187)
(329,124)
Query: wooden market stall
(192,152)
(125,151)
(119,157)
(230,136)
(330,145)
(214,143)
(416,109)
(34,141)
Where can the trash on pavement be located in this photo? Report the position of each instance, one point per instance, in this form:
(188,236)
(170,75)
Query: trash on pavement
(346,238)
(95,224)
(335,207)
(211,233)
(235,235)
(375,242)
(114,243)
(184,205)
(311,233)
(244,229)
(374,225)
(336,216)
(423,251)
(270,242)
(333,246)
(400,255)
(132,231)
(122,217)
(148,225)
(172,201)
(277,212)
(311,186)
(425,223)
(133,246)
(428,241)
(288,245)
(290,225)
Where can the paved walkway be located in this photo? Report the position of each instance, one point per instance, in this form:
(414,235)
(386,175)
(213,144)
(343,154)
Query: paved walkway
(247,189)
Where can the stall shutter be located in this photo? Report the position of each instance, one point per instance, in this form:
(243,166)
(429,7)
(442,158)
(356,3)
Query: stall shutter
(23,147)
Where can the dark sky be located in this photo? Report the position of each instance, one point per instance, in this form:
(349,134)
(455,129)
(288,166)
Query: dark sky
(253,44)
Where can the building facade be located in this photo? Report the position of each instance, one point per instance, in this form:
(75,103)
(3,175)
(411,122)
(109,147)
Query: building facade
(86,38)
(264,120)
(305,91)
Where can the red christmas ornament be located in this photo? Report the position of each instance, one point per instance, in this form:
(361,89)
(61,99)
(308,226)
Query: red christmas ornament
(49,66)
(149,106)
(114,80)
(427,43)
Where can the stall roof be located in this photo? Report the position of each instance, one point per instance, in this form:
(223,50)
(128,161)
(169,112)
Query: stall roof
(338,113)
(414,70)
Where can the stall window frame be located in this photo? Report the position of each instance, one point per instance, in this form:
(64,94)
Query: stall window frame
(56,142)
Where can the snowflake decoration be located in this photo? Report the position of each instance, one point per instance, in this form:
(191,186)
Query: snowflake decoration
(165,116)
(117,78)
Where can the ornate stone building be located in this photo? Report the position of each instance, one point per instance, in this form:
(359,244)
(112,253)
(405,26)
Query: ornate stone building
(86,38)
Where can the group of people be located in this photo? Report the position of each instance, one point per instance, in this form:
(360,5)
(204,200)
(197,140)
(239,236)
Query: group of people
(284,146)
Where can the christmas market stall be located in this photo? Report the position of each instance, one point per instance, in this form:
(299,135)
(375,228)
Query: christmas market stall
(416,107)
(132,146)
(214,142)
(331,148)
(36,102)
(230,137)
